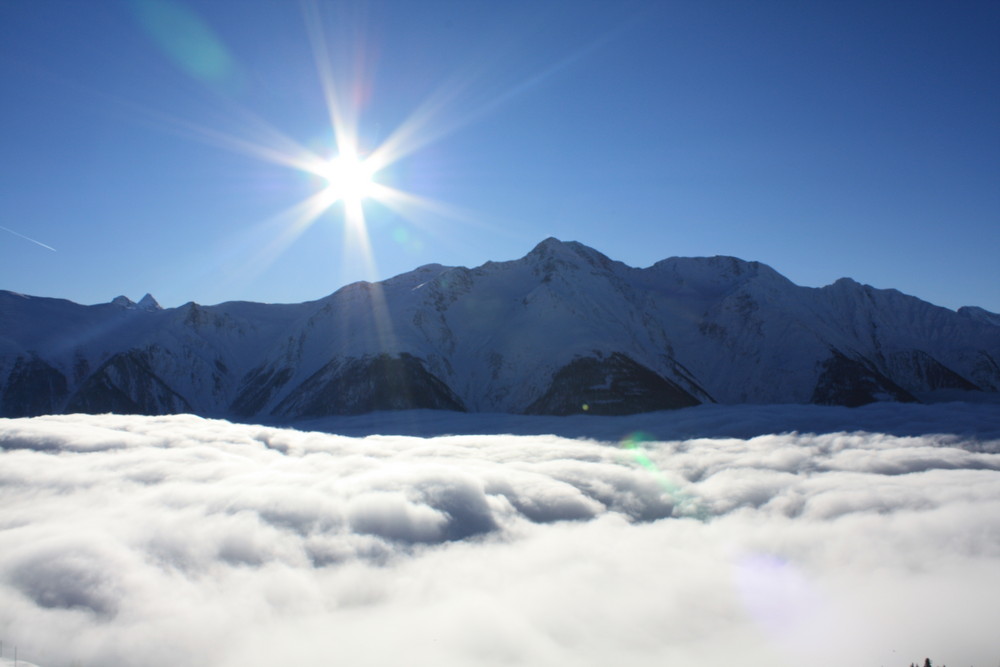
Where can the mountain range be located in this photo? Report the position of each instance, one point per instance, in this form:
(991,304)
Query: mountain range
(563,330)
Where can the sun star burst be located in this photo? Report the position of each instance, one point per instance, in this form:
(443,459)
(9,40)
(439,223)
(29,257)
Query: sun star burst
(349,178)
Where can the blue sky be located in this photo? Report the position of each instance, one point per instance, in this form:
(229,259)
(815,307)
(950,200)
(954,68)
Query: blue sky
(153,144)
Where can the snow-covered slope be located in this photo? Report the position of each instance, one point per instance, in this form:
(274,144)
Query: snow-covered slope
(562,330)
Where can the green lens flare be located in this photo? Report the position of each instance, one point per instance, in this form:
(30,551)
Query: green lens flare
(186,39)
(685,504)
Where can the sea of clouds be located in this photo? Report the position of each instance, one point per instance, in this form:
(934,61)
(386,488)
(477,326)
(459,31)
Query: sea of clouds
(159,541)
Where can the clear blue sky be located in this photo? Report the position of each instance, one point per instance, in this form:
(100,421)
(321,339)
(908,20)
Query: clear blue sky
(143,141)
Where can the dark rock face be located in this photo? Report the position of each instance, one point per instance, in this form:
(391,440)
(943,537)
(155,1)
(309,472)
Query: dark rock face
(257,389)
(381,382)
(854,383)
(126,384)
(613,385)
(33,388)
(928,373)
(986,372)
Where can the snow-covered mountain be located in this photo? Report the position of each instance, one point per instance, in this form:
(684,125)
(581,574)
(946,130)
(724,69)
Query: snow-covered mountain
(562,330)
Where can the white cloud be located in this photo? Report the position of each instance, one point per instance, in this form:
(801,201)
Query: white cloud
(169,540)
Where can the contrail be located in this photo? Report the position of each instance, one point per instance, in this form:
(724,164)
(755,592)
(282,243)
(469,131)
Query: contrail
(28,238)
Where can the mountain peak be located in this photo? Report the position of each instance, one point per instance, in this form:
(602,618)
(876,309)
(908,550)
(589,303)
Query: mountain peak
(846,282)
(145,303)
(547,246)
(981,315)
(123,301)
(716,275)
(148,303)
(571,251)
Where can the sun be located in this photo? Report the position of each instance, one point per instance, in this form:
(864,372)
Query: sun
(348,175)
(349,178)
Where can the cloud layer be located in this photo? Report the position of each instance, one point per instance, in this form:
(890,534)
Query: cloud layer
(165,540)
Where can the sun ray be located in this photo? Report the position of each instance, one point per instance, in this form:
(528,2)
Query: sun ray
(407,205)
(418,131)
(283,228)
(358,243)
(343,117)
(284,150)
(296,219)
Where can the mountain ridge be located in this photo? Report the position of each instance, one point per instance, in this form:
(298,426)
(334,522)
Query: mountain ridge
(563,329)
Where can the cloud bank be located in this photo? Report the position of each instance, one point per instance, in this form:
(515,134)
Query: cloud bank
(978,420)
(158,541)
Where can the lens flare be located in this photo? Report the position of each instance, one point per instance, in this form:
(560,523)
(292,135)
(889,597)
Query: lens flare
(784,602)
(685,504)
(186,39)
